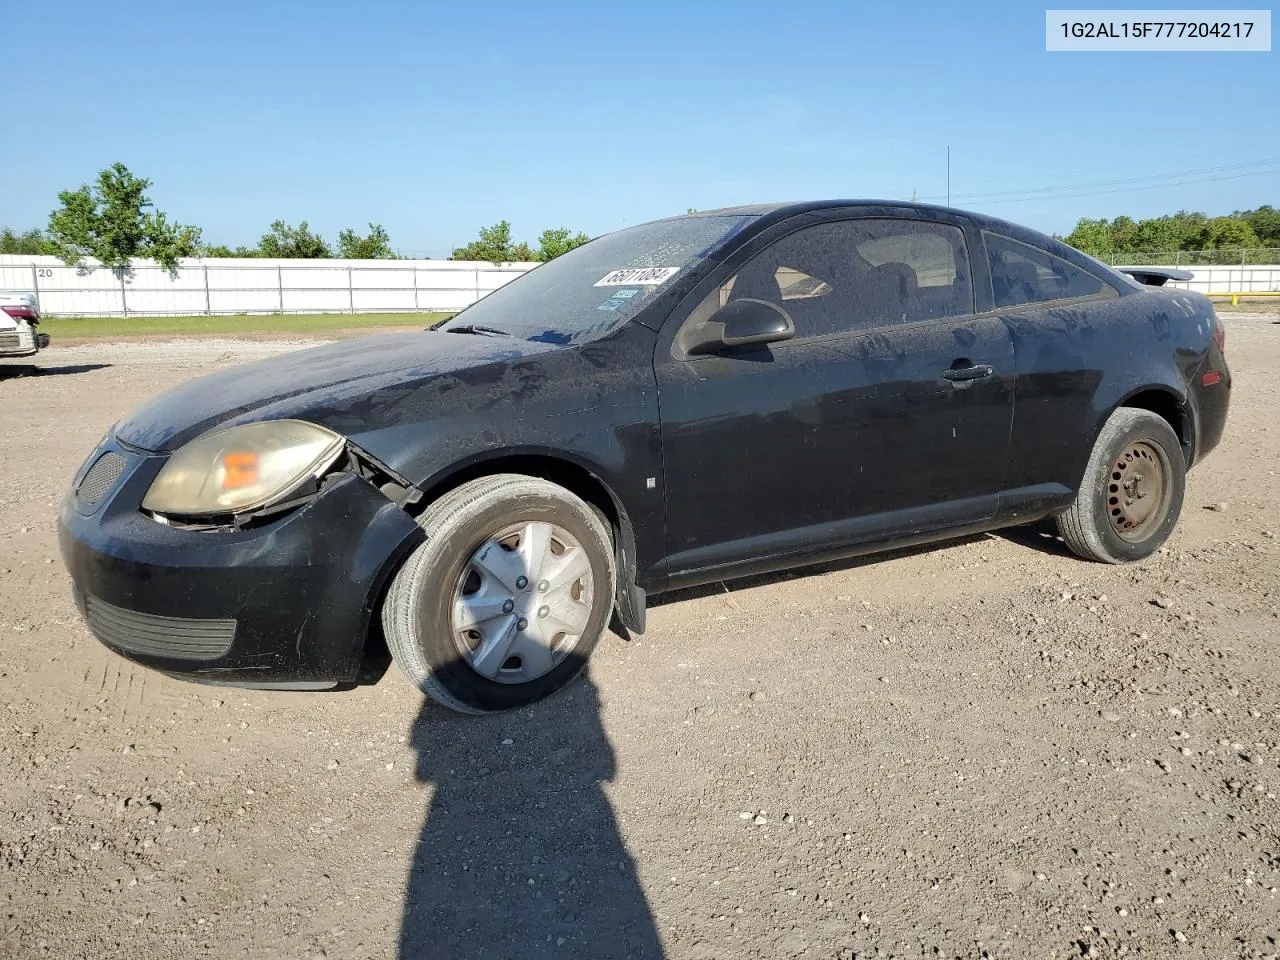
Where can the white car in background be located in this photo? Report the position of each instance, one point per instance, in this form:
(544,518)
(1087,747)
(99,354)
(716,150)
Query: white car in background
(19,318)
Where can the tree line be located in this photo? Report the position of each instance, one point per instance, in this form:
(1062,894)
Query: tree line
(114,220)
(1184,230)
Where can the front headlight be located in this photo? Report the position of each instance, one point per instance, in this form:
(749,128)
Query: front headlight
(242,468)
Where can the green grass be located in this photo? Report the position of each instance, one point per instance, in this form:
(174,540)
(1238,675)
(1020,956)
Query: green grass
(330,324)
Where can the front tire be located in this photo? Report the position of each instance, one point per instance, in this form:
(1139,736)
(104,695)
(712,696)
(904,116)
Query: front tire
(504,602)
(1131,493)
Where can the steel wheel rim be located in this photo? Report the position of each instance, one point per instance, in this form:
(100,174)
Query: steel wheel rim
(1138,490)
(522,602)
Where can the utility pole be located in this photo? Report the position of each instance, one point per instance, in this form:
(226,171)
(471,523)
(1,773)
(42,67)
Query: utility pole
(948,175)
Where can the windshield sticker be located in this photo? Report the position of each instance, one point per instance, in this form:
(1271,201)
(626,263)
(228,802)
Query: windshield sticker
(613,303)
(626,294)
(651,276)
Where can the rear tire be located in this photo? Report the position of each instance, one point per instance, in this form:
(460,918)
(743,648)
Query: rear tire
(1131,493)
(478,617)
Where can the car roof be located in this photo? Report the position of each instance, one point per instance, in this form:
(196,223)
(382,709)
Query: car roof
(788,208)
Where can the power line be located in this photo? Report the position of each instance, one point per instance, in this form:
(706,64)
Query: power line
(1232,151)
(1130,189)
(1031,192)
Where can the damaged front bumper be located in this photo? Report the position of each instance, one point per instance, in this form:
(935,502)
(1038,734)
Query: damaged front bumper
(285,603)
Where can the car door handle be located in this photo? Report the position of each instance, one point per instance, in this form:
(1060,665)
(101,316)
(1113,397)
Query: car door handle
(975,372)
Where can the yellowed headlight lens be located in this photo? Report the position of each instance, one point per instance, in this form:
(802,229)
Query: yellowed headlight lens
(241,468)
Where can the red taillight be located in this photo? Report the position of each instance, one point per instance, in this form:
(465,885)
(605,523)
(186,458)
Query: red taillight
(1219,333)
(1212,378)
(20,312)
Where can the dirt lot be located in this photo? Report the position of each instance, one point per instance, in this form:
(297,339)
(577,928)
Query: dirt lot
(985,749)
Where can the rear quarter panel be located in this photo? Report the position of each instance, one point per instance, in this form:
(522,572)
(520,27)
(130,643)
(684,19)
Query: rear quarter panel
(1076,363)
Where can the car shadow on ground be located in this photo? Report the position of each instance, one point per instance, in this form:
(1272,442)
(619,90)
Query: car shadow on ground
(8,371)
(521,855)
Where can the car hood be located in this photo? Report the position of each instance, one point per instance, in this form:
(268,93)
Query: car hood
(326,384)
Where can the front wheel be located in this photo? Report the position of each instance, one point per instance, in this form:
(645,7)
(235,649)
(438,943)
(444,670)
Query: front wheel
(504,602)
(1131,493)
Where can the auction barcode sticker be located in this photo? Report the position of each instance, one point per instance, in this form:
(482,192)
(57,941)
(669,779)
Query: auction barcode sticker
(650,276)
(1222,31)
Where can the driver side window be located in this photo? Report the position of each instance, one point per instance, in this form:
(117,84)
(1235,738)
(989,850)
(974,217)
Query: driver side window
(852,275)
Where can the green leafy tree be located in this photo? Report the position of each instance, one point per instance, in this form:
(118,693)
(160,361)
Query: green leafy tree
(1179,231)
(375,246)
(556,241)
(292,242)
(1265,222)
(31,242)
(495,245)
(1093,237)
(1222,232)
(1124,234)
(115,221)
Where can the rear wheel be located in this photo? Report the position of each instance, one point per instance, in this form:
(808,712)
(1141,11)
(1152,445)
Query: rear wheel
(504,602)
(1131,493)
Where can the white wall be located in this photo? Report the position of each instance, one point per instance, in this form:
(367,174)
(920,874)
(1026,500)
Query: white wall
(240,285)
(1259,279)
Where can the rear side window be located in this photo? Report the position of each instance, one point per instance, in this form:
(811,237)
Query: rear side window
(851,275)
(1024,274)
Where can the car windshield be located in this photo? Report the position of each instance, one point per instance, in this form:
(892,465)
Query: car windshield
(600,285)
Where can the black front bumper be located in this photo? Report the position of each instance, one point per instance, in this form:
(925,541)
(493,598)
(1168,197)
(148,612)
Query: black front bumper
(287,603)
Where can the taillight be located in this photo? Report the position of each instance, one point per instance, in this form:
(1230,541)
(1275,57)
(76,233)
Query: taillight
(20,312)
(1219,333)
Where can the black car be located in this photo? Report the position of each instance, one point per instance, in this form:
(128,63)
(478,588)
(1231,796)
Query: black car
(686,401)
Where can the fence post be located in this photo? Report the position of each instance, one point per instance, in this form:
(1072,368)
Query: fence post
(208,309)
(280,287)
(477,299)
(415,287)
(35,285)
(351,295)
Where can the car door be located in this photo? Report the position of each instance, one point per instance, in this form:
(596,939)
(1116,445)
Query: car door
(888,413)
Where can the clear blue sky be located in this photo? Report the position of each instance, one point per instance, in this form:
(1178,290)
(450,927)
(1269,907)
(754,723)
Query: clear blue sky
(434,119)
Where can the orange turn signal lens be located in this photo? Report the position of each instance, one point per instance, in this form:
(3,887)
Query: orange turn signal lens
(240,469)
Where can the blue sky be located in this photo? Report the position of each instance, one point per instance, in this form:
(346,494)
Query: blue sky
(434,119)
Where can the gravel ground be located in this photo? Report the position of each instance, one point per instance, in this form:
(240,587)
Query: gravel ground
(987,749)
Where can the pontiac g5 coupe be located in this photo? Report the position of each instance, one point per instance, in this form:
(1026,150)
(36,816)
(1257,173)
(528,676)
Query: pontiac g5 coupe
(685,401)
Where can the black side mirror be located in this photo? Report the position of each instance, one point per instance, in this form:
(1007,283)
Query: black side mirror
(743,323)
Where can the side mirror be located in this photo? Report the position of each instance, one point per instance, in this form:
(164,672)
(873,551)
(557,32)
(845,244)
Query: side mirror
(743,323)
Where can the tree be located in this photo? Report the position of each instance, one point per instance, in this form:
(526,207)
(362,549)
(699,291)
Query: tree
(556,241)
(375,246)
(116,221)
(293,242)
(1265,222)
(1093,237)
(1223,232)
(1124,234)
(495,246)
(31,242)
(1179,231)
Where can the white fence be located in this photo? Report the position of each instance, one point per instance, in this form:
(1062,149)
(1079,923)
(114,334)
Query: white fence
(1259,279)
(251,285)
(237,285)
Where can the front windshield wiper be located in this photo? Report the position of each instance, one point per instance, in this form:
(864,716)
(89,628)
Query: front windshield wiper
(477,328)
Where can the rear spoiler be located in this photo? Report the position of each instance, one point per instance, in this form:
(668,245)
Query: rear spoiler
(1156,276)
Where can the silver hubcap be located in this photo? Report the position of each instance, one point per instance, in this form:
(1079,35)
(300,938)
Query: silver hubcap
(522,602)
